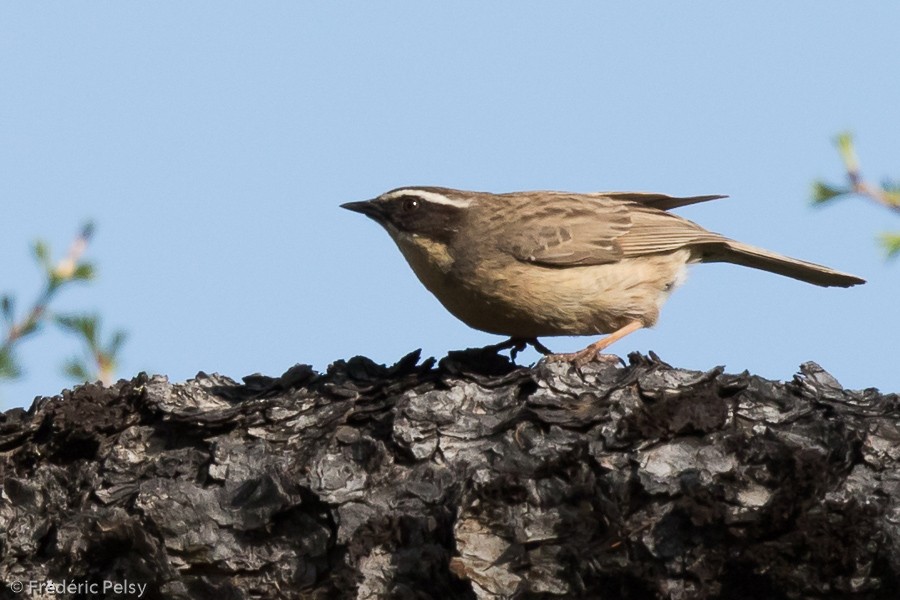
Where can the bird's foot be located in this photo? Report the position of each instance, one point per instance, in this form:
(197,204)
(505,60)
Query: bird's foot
(592,352)
(539,346)
(583,357)
(516,345)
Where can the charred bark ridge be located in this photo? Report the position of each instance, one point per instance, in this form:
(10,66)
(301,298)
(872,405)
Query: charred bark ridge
(472,478)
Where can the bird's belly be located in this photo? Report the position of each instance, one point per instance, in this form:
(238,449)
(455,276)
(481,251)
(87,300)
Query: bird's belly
(522,300)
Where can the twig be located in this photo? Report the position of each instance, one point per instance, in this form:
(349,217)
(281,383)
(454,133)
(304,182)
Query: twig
(62,272)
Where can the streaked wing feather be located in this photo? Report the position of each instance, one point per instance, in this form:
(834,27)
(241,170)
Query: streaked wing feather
(590,229)
(654,231)
(570,231)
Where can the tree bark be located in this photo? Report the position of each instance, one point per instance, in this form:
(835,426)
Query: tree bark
(471,478)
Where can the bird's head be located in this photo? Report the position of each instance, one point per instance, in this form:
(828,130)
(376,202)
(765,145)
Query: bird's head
(429,212)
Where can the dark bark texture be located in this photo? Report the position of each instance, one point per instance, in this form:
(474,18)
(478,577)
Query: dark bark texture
(471,478)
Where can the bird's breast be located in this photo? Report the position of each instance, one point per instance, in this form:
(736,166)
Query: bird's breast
(505,296)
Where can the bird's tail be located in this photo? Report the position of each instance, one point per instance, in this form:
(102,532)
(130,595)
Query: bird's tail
(750,256)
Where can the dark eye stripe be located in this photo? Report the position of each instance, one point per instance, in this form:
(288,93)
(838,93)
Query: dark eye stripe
(424,216)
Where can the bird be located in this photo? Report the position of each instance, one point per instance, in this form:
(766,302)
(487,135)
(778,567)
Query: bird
(535,264)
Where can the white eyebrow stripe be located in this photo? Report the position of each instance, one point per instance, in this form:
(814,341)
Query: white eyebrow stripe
(429,197)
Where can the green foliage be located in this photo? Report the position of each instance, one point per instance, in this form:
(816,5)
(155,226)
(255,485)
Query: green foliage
(844,143)
(103,356)
(888,194)
(87,231)
(83,272)
(99,358)
(891,244)
(83,325)
(42,253)
(8,367)
(823,192)
(7,308)
(76,370)
(891,191)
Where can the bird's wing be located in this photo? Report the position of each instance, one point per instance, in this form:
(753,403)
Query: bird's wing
(658,201)
(586,229)
(654,231)
(589,229)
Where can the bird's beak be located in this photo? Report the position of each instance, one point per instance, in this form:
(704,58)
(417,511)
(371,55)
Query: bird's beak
(366,207)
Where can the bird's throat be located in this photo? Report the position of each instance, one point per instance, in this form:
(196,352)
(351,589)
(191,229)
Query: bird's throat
(427,257)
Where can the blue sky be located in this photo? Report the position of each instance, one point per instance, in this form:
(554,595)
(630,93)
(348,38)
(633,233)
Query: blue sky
(213,142)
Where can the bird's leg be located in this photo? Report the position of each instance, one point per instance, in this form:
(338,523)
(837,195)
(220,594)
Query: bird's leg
(517,344)
(591,352)
(539,346)
(533,342)
(514,345)
(510,343)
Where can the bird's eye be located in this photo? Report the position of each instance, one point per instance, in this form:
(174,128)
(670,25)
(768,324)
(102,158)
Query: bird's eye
(410,203)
